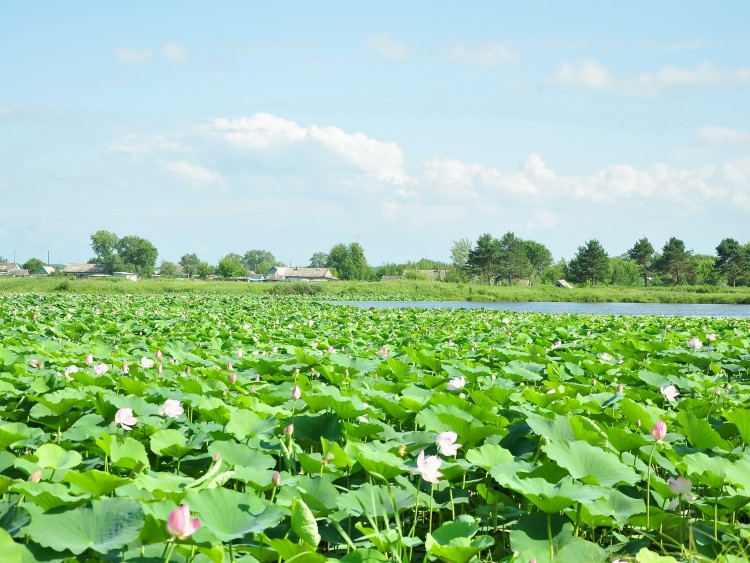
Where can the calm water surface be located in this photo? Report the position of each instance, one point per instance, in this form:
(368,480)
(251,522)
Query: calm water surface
(661,309)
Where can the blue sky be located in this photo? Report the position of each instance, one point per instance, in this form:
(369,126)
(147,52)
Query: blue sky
(223,127)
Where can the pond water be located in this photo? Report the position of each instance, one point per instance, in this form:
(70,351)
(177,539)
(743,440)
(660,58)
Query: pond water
(660,309)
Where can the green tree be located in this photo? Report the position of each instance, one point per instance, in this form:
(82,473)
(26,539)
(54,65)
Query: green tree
(138,253)
(556,271)
(539,256)
(168,269)
(460,252)
(33,265)
(349,262)
(203,270)
(231,266)
(484,258)
(642,254)
(733,260)
(703,271)
(318,260)
(591,263)
(259,261)
(674,264)
(624,271)
(104,245)
(514,262)
(190,263)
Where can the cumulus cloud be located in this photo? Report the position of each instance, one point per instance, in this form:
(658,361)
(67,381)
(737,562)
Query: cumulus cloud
(592,75)
(588,74)
(174,52)
(390,48)
(382,160)
(194,174)
(490,55)
(722,135)
(132,56)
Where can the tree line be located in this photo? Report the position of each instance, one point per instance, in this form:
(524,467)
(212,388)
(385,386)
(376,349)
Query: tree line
(490,260)
(494,261)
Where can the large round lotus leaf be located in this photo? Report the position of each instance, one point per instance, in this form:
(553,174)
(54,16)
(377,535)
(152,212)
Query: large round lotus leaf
(104,525)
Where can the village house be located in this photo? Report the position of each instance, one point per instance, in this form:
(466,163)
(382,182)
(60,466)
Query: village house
(81,271)
(282,273)
(13,269)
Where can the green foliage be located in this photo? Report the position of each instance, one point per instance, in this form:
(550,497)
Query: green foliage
(190,264)
(642,254)
(514,260)
(590,264)
(168,270)
(33,265)
(484,258)
(231,266)
(674,264)
(258,261)
(624,272)
(733,260)
(318,260)
(460,252)
(349,262)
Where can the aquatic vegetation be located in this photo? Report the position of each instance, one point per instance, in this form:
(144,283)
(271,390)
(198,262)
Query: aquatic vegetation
(264,429)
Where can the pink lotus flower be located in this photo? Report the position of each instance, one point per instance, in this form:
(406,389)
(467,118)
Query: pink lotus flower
(99,369)
(659,431)
(456,383)
(710,336)
(296,393)
(680,486)
(69,370)
(239,353)
(124,417)
(171,408)
(159,355)
(147,363)
(557,344)
(383,352)
(125,368)
(36,476)
(35,363)
(670,393)
(180,525)
(621,388)
(695,342)
(446,442)
(89,359)
(331,350)
(428,467)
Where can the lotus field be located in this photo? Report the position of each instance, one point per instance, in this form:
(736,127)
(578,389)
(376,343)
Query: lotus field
(202,428)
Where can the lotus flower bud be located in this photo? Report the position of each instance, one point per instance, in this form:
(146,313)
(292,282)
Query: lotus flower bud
(36,476)
(159,355)
(296,393)
(289,430)
(233,378)
(276,479)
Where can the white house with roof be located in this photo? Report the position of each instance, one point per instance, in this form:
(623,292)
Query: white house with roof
(283,273)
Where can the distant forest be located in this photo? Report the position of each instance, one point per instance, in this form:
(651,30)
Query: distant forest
(489,260)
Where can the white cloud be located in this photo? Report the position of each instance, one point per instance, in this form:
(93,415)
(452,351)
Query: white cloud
(391,49)
(259,131)
(490,55)
(592,75)
(542,219)
(722,135)
(194,174)
(174,52)
(382,160)
(132,56)
(587,75)
(134,146)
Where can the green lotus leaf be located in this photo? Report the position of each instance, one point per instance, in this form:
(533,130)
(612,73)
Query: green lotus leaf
(590,464)
(169,442)
(96,482)
(455,541)
(103,526)
(230,514)
(529,539)
(699,432)
(304,523)
(378,461)
(52,456)
(12,552)
(46,495)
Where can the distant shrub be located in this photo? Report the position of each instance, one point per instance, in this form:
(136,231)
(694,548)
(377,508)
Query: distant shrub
(64,285)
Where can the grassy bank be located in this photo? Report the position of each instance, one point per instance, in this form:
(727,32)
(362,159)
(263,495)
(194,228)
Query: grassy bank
(391,291)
